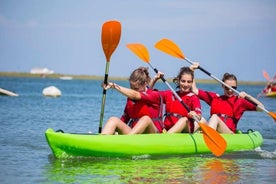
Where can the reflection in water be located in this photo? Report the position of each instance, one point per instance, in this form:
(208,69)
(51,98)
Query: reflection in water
(219,171)
(165,170)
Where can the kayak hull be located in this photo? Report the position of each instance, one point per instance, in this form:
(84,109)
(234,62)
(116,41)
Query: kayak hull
(271,94)
(7,92)
(64,145)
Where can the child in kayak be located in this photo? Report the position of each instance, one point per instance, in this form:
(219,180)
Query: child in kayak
(177,118)
(142,110)
(227,109)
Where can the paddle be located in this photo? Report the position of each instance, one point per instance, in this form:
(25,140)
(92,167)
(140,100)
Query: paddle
(214,141)
(266,75)
(172,49)
(111,34)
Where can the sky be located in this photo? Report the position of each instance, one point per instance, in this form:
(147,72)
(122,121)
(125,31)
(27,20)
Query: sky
(234,36)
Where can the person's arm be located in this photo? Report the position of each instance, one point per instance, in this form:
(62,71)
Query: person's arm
(155,79)
(195,107)
(130,93)
(194,88)
(259,104)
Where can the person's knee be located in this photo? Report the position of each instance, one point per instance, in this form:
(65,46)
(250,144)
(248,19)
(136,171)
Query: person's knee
(146,118)
(203,120)
(214,117)
(182,120)
(113,119)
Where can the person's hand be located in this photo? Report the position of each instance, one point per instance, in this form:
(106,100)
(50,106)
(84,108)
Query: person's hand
(243,94)
(108,85)
(194,115)
(159,75)
(194,66)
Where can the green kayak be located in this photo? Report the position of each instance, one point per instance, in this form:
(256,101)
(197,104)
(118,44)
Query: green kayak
(66,145)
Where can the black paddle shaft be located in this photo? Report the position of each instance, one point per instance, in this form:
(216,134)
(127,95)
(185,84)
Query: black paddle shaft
(218,80)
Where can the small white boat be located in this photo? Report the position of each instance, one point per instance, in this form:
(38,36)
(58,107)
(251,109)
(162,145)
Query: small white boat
(66,78)
(51,91)
(6,92)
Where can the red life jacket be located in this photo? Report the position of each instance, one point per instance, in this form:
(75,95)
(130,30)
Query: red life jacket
(273,88)
(175,110)
(223,105)
(137,109)
(174,106)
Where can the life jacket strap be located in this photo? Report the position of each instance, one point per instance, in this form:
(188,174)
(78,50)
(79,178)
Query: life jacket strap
(173,114)
(226,117)
(132,120)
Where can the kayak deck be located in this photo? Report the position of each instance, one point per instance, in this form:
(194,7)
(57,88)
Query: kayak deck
(65,145)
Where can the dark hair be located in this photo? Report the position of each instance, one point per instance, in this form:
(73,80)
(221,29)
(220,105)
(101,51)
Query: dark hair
(228,76)
(183,70)
(140,75)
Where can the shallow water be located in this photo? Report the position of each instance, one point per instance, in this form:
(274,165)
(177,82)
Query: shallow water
(26,157)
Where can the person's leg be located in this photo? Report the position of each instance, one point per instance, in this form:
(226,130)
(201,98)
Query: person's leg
(216,123)
(144,125)
(115,124)
(180,126)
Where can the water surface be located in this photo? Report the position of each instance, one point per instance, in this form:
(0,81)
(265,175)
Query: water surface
(26,157)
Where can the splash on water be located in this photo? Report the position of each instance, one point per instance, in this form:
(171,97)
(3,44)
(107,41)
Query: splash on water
(266,154)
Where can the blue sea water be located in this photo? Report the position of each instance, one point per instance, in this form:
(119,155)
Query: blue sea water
(26,157)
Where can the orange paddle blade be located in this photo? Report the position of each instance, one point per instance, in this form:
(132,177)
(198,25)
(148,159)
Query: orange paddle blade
(265,74)
(139,50)
(111,34)
(214,141)
(169,47)
(273,115)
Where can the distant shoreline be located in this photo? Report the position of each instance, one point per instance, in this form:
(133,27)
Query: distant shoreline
(94,77)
